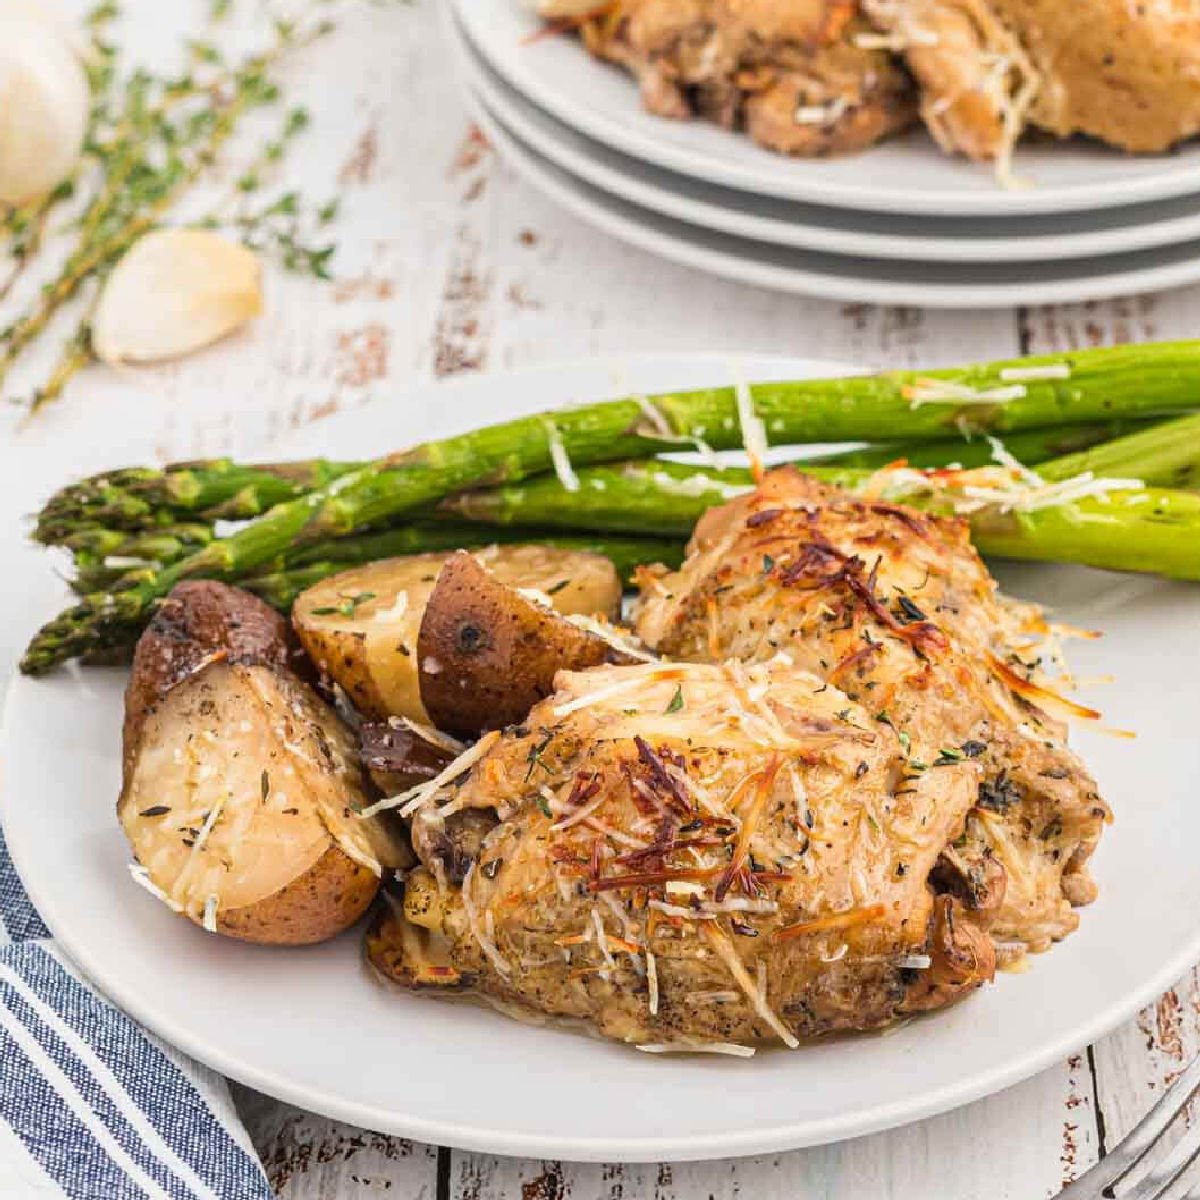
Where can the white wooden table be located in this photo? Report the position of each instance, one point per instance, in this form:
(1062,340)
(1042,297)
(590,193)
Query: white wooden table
(449,264)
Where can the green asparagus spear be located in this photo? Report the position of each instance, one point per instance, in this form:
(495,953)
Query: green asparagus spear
(103,556)
(1081,386)
(1162,453)
(1152,530)
(1166,454)
(213,489)
(1031,447)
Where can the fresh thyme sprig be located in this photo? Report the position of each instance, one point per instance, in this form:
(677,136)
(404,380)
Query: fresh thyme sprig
(150,138)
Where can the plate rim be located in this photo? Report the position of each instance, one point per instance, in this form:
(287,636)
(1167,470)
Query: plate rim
(777,1139)
(670,199)
(682,247)
(1082,197)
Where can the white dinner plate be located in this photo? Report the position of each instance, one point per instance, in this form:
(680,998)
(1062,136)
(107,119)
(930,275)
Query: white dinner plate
(309,1025)
(842,277)
(906,174)
(863,234)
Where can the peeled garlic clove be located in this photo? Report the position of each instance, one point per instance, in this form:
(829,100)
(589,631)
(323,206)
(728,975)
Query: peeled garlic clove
(175,291)
(44,106)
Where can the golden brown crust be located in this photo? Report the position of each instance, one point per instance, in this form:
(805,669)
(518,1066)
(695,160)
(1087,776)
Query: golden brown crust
(894,605)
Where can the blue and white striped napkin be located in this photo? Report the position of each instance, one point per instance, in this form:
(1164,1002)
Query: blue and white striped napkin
(92,1106)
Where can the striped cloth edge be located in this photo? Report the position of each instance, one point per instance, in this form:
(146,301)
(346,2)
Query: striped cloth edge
(92,1106)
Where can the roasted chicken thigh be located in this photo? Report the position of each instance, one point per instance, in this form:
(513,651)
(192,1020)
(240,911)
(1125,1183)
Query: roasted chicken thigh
(792,74)
(835,802)
(897,609)
(1126,73)
(694,854)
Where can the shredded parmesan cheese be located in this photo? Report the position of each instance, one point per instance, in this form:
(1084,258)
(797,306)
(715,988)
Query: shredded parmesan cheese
(1004,489)
(209,921)
(821,114)
(944,391)
(486,943)
(142,878)
(658,422)
(395,612)
(602,938)
(558,457)
(728,954)
(730,1048)
(1024,374)
(699,485)
(127,562)
(427,733)
(417,797)
(754,433)
(617,639)
(896,43)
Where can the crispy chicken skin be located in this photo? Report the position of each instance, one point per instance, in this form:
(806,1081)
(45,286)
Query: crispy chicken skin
(1128,74)
(688,854)
(790,73)
(897,610)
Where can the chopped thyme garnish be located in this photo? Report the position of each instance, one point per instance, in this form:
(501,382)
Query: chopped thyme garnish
(152,135)
(948,756)
(676,700)
(347,606)
(534,758)
(909,612)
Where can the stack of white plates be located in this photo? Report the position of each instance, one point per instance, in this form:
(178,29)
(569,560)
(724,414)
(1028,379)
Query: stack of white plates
(901,223)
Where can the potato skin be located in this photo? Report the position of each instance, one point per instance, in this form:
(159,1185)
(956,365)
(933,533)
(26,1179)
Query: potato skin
(487,655)
(397,758)
(360,627)
(241,787)
(317,905)
(200,622)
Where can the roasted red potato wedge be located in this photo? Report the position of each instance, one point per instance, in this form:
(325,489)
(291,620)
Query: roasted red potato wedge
(360,627)
(241,787)
(488,654)
(398,757)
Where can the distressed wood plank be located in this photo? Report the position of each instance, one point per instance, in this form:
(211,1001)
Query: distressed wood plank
(565,290)
(1137,1061)
(971,1154)
(311,1158)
